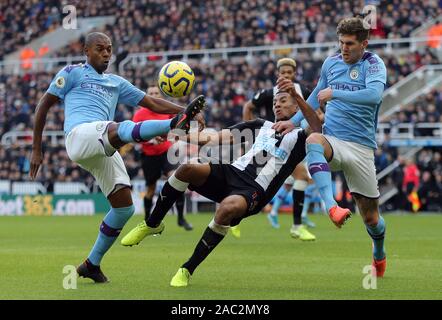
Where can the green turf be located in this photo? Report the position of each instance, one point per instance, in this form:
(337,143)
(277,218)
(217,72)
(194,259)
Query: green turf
(264,264)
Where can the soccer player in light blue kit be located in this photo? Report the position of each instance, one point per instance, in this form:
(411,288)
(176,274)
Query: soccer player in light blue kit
(351,84)
(90,97)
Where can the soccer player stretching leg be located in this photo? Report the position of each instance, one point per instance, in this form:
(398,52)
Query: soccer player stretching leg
(351,83)
(90,97)
(248,184)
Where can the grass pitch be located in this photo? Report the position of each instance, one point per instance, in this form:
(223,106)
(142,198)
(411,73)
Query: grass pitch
(263,264)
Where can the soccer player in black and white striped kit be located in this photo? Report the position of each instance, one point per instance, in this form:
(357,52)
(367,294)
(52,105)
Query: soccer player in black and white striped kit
(244,187)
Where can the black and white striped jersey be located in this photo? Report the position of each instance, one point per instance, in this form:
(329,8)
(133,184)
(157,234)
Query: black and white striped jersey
(272,157)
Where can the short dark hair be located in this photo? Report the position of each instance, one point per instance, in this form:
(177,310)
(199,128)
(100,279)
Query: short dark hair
(94,36)
(353,26)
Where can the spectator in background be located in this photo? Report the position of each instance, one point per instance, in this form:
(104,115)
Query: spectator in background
(410,184)
(380,159)
(429,193)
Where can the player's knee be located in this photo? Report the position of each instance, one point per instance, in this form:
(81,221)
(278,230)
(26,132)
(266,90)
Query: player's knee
(184,171)
(314,138)
(228,211)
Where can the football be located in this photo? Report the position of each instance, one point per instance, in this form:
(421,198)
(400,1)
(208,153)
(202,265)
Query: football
(176,79)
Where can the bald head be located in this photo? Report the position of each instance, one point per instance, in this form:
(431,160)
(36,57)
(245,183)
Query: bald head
(93,37)
(98,49)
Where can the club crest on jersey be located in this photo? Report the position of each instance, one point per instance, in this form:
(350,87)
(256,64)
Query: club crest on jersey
(354,74)
(60,82)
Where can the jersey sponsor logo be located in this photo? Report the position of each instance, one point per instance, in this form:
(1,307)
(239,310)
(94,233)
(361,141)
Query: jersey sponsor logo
(268,144)
(60,82)
(97,89)
(354,74)
(343,86)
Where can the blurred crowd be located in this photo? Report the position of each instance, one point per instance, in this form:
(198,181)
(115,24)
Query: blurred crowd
(426,108)
(227,85)
(22,21)
(418,181)
(157,25)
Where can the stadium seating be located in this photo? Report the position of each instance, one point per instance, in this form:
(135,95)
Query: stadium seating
(173,25)
(227,83)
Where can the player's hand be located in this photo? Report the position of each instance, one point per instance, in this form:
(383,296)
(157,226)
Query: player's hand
(201,122)
(284,127)
(325,95)
(36,160)
(287,85)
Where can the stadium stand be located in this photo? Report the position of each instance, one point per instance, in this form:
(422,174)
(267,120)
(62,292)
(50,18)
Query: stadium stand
(227,84)
(179,25)
(22,21)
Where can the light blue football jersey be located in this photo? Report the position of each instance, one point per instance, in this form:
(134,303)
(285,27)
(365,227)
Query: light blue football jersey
(90,96)
(351,116)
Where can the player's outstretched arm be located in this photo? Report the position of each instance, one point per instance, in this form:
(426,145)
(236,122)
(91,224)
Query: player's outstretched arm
(309,113)
(159,105)
(41,112)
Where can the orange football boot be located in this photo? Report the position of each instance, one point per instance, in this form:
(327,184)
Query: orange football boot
(339,215)
(379,266)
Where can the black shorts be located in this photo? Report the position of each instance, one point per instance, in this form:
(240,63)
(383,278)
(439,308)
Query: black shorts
(225,180)
(155,166)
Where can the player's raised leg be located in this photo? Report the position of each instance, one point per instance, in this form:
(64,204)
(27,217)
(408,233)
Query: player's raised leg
(128,131)
(232,207)
(171,191)
(318,150)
